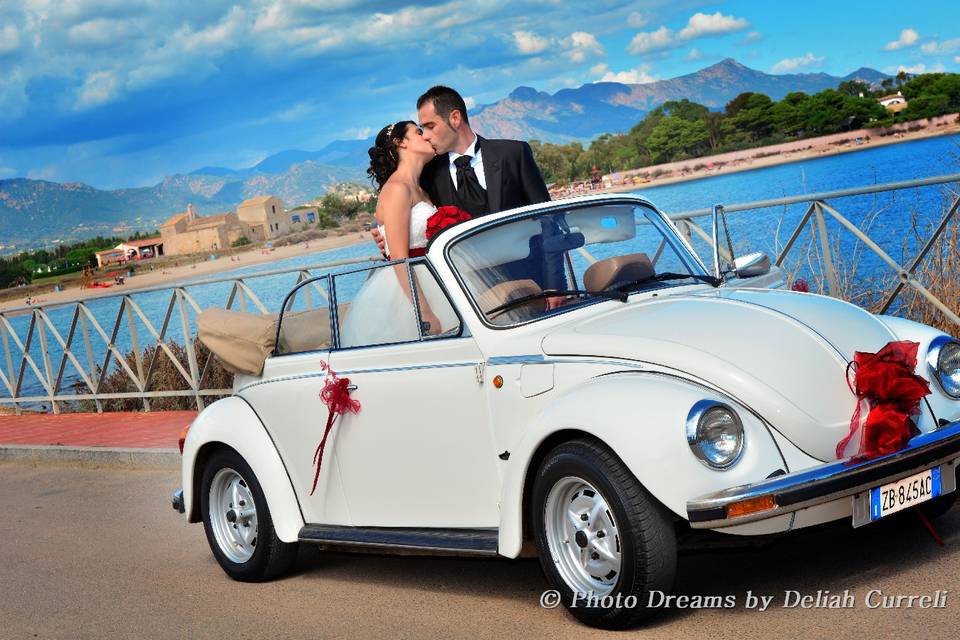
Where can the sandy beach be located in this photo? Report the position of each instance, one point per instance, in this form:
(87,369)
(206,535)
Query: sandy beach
(759,158)
(170,275)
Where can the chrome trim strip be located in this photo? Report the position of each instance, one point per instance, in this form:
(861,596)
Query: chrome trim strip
(508,360)
(827,482)
(445,365)
(322,374)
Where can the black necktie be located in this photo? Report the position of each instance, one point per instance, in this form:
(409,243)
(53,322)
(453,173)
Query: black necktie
(472,197)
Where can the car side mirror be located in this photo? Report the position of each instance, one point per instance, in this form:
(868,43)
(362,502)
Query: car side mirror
(752,265)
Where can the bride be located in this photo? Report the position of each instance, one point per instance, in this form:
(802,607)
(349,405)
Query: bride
(382,312)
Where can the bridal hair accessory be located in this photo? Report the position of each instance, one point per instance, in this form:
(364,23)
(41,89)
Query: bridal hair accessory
(886,383)
(336,395)
(389,132)
(446,216)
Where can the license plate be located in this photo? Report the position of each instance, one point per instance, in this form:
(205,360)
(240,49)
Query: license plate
(905,493)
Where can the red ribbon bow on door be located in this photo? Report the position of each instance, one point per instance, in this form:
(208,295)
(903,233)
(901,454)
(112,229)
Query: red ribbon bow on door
(336,395)
(887,382)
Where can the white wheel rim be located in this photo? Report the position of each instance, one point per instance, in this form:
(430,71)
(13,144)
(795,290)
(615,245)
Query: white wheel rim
(233,515)
(582,536)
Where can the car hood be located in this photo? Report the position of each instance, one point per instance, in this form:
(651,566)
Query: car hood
(781,353)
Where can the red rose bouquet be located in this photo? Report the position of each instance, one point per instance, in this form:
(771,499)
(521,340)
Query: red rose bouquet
(446,216)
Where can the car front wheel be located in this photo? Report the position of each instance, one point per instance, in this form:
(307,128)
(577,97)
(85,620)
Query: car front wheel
(604,542)
(237,521)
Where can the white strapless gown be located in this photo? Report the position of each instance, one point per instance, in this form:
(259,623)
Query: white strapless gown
(381,313)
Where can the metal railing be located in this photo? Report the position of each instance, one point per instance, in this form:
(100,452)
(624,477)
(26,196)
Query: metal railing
(42,334)
(818,205)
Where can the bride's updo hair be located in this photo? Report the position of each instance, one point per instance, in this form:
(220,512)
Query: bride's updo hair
(384,155)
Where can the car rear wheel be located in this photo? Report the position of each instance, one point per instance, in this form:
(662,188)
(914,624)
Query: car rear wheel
(237,521)
(604,542)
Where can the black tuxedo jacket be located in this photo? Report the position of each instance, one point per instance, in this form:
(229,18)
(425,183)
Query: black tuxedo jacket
(513,179)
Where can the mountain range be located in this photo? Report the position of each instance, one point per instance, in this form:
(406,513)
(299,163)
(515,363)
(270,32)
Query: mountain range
(35,212)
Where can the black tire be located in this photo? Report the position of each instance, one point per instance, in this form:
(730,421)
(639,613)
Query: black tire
(644,527)
(272,557)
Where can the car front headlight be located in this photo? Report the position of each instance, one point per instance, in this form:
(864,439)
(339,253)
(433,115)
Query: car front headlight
(715,434)
(943,358)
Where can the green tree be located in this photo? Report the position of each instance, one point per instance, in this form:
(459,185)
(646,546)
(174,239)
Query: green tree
(675,138)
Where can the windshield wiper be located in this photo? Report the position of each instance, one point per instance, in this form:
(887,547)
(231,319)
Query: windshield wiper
(553,293)
(660,277)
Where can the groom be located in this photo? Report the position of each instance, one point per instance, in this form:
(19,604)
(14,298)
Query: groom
(481,176)
(478,175)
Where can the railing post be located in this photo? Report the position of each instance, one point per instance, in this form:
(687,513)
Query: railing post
(189,347)
(90,361)
(825,253)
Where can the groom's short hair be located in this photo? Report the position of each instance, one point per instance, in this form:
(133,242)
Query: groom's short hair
(445,100)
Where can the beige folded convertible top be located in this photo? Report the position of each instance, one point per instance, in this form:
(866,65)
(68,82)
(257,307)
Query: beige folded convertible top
(242,341)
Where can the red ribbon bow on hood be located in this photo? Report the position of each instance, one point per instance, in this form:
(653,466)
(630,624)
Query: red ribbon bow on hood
(886,380)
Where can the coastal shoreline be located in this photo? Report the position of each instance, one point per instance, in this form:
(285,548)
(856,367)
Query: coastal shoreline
(171,276)
(761,158)
(174,275)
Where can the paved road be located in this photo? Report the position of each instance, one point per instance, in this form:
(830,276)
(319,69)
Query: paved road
(98,553)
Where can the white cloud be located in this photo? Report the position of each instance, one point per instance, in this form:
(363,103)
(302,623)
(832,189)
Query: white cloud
(908,38)
(917,69)
(640,75)
(581,45)
(702,24)
(99,87)
(647,41)
(694,54)
(6,172)
(636,20)
(358,133)
(941,48)
(9,39)
(100,32)
(753,36)
(956,59)
(470,102)
(529,42)
(788,65)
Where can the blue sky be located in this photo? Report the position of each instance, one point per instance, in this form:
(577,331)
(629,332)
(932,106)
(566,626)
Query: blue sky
(120,93)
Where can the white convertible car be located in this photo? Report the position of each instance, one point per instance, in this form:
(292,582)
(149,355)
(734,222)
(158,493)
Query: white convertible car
(640,395)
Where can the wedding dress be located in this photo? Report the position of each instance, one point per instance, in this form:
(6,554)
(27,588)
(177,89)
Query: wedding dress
(381,312)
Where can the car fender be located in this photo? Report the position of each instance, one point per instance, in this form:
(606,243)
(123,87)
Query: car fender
(942,405)
(641,417)
(232,422)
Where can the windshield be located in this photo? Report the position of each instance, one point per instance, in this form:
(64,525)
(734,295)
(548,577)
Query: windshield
(531,267)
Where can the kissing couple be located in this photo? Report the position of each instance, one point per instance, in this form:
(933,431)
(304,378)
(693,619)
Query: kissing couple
(416,168)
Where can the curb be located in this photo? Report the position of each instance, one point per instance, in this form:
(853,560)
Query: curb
(91,456)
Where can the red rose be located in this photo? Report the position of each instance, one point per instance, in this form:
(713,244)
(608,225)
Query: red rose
(446,216)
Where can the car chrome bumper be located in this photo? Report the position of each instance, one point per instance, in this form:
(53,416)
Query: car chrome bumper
(826,483)
(177,501)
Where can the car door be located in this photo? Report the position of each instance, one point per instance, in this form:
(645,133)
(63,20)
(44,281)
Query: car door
(420,452)
(286,398)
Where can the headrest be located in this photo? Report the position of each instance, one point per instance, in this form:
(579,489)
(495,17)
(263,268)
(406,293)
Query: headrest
(612,272)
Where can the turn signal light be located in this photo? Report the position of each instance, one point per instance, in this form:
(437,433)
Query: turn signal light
(753,505)
(183,438)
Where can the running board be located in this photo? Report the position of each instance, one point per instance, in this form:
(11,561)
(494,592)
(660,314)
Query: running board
(456,541)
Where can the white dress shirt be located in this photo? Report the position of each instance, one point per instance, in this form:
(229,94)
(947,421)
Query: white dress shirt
(476,162)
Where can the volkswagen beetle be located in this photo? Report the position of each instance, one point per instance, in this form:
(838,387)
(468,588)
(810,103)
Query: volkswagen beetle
(653,396)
